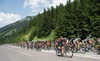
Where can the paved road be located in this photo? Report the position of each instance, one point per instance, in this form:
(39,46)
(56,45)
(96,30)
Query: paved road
(13,53)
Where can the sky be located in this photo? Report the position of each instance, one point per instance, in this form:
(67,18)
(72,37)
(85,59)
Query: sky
(14,10)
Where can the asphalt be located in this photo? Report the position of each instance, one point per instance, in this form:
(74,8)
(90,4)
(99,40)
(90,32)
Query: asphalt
(14,53)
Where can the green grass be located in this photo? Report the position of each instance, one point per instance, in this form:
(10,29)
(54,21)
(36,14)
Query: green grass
(50,37)
(23,36)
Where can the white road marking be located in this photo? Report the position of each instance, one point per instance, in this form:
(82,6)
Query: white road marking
(49,51)
(25,53)
(14,46)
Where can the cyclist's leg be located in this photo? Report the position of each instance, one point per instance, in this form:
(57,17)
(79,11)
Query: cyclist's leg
(62,49)
(75,45)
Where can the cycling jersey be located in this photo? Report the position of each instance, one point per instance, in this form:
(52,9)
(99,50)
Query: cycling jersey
(72,40)
(75,40)
(60,43)
(99,40)
(86,40)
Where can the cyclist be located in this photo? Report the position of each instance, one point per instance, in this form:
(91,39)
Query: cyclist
(61,44)
(27,44)
(88,42)
(99,40)
(99,46)
(72,40)
(31,45)
(77,42)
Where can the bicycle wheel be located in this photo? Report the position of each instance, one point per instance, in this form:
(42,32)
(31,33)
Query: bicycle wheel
(58,52)
(82,50)
(74,50)
(68,53)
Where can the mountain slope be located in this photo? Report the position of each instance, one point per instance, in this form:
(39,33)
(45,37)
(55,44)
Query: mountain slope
(14,27)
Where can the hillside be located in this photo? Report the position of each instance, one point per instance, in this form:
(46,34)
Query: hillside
(76,19)
(14,27)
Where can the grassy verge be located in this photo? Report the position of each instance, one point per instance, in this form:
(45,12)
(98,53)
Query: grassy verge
(50,37)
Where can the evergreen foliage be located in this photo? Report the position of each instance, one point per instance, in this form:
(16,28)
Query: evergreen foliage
(76,19)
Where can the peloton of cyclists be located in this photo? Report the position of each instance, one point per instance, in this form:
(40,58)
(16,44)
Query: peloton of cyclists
(77,42)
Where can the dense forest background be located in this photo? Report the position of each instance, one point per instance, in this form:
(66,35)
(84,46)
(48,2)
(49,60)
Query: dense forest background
(76,19)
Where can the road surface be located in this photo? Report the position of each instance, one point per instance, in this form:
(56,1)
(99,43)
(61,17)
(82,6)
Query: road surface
(13,53)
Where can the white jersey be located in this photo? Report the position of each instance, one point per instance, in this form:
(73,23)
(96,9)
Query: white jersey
(99,40)
(67,40)
(75,40)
